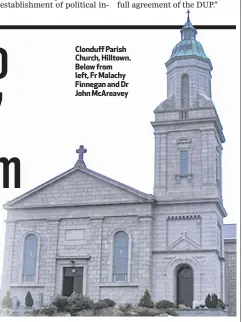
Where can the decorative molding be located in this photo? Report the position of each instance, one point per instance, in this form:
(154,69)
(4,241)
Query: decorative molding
(214,121)
(92,204)
(53,221)
(179,176)
(73,257)
(186,216)
(197,259)
(196,201)
(145,218)
(204,101)
(187,251)
(119,284)
(96,219)
(167,104)
(27,285)
(185,239)
(183,141)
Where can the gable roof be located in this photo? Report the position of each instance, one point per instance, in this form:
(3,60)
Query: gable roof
(137,193)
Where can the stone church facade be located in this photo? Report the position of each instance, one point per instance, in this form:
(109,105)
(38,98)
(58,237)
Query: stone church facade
(85,232)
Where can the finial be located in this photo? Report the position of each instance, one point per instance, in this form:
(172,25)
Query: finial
(81,152)
(188,15)
(188,31)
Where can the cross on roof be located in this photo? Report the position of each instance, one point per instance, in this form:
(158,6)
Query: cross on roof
(81,152)
(188,13)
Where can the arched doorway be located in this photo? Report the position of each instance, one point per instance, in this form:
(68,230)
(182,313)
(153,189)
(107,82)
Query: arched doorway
(185,285)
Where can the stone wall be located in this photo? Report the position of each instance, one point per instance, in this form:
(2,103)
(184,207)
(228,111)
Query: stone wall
(83,234)
(201,312)
(230,275)
(193,241)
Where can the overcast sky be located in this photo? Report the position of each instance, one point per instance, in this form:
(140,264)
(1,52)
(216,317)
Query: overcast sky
(42,122)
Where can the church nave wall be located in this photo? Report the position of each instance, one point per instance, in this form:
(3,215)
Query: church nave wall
(75,237)
(111,225)
(44,256)
(121,294)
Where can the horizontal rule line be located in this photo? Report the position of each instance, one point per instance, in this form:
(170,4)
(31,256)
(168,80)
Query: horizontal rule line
(122,27)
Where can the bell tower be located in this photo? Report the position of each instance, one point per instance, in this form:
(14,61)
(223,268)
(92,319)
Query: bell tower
(188,132)
(187,179)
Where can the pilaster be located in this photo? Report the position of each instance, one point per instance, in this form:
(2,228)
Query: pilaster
(95,264)
(50,259)
(145,254)
(8,256)
(160,175)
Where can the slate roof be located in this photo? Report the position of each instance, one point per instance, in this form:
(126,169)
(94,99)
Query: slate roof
(229,231)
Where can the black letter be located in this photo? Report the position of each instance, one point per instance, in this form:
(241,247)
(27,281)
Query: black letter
(4,63)
(6,164)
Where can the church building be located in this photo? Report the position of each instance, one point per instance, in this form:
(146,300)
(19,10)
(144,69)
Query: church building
(82,231)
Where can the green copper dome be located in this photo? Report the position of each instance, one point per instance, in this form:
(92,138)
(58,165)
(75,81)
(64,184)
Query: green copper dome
(188,46)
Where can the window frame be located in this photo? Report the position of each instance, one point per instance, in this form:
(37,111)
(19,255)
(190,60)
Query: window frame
(184,173)
(184,144)
(21,276)
(128,275)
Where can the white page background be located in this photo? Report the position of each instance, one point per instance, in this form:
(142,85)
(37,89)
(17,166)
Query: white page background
(42,122)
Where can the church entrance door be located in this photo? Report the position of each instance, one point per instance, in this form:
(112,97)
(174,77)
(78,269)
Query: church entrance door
(72,280)
(185,285)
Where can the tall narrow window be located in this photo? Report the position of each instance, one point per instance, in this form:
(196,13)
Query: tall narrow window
(184,94)
(120,257)
(30,258)
(183,162)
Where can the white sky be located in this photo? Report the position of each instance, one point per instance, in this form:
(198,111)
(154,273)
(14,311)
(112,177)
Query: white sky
(42,122)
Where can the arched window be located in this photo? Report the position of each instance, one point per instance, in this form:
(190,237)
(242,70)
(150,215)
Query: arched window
(120,257)
(30,258)
(184,92)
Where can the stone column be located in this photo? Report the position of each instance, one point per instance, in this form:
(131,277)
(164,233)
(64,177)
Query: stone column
(145,254)
(8,254)
(95,263)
